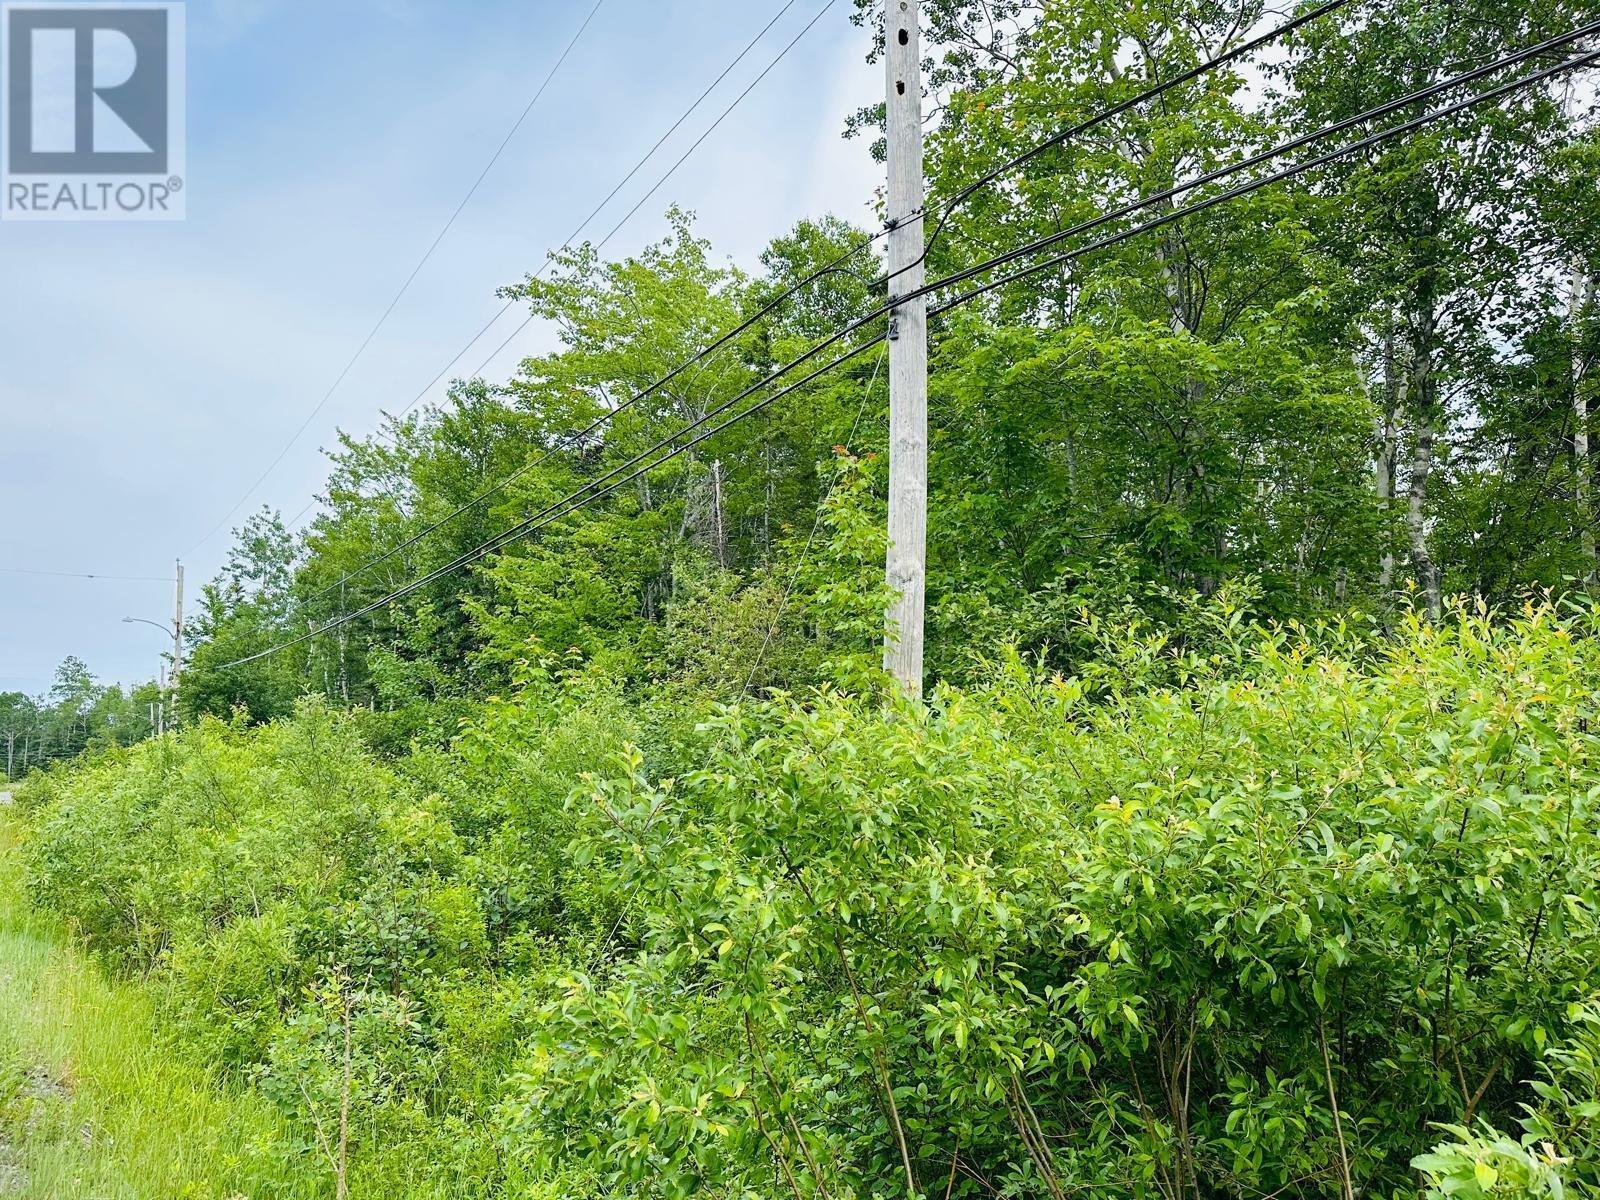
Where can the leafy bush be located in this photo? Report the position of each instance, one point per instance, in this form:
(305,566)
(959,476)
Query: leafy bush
(1559,1150)
(243,870)
(1253,915)
(1253,936)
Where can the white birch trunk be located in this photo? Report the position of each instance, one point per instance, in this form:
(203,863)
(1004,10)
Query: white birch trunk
(1582,296)
(1385,461)
(1424,392)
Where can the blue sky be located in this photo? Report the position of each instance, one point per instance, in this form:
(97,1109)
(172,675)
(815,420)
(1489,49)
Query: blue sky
(150,372)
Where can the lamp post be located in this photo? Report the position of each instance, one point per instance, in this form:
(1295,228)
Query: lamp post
(141,621)
(158,716)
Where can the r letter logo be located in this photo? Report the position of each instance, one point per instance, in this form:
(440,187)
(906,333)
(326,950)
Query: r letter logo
(93,97)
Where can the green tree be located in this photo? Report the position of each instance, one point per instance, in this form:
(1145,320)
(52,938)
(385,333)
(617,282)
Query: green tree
(1442,241)
(248,609)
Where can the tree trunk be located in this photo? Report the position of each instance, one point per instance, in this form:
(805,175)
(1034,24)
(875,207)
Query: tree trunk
(1175,279)
(1427,571)
(768,501)
(1424,391)
(344,644)
(1582,296)
(719,525)
(1387,458)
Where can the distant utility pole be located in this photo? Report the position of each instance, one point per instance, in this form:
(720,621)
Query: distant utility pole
(177,642)
(908,349)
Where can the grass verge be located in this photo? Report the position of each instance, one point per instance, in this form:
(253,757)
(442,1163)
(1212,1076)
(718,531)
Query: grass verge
(91,1106)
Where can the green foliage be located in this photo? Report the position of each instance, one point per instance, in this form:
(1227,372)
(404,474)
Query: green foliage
(1228,862)
(1567,1114)
(78,715)
(245,870)
(1128,948)
(93,1103)
(1480,1165)
(1559,1150)
(1254,911)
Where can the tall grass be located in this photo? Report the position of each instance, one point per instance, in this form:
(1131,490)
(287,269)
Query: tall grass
(92,1107)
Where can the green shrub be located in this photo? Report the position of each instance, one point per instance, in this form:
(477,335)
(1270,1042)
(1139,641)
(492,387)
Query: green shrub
(1252,936)
(1559,1151)
(241,871)
(1255,915)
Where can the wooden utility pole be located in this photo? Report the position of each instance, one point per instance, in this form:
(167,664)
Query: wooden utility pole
(908,349)
(177,642)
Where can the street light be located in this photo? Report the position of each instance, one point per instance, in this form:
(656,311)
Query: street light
(141,621)
(158,713)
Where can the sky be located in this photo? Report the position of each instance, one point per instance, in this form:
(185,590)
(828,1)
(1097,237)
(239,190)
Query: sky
(150,372)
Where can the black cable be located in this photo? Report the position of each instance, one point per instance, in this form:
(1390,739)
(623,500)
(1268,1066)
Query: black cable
(831,267)
(76,575)
(1299,168)
(528,320)
(949,206)
(1167,218)
(406,286)
(612,195)
(1056,139)
(661,383)
(550,515)
(572,237)
(605,418)
(1381,110)
(1296,143)
(535,523)
(573,502)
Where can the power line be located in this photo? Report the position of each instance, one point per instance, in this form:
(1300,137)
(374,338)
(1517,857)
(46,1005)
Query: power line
(536,522)
(610,415)
(949,206)
(410,279)
(577,499)
(550,513)
(612,195)
(1289,172)
(715,125)
(77,575)
(567,244)
(722,340)
(525,528)
(1160,197)
(1056,139)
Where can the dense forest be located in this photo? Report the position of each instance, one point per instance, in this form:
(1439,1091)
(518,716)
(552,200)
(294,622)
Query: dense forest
(77,714)
(1246,844)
